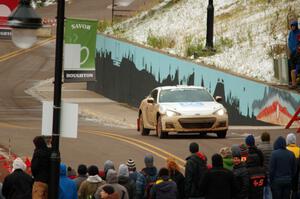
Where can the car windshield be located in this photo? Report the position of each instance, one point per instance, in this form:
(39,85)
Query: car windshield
(184,95)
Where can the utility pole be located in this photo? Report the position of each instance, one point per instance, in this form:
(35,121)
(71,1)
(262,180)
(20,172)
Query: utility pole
(210,26)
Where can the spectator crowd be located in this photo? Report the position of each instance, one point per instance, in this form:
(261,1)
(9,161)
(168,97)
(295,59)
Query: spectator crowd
(241,171)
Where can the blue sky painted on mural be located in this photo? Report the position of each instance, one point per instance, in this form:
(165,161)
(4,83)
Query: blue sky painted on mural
(245,90)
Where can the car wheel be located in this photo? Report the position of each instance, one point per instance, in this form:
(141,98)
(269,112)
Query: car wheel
(222,134)
(161,134)
(143,130)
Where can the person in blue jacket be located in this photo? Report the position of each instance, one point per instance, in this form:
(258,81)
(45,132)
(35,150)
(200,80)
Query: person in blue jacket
(282,170)
(292,45)
(67,187)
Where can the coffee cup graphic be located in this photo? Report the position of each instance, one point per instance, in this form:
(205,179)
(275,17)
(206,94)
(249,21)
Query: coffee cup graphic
(75,55)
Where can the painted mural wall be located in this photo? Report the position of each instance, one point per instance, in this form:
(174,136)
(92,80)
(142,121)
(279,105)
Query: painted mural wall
(127,73)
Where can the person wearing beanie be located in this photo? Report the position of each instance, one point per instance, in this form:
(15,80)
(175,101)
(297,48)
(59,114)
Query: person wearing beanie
(133,174)
(218,182)
(112,180)
(282,169)
(196,165)
(257,178)
(18,184)
(176,176)
(292,146)
(227,157)
(147,176)
(89,186)
(67,187)
(266,148)
(244,152)
(240,172)
(164,187)
(252,149)
(108,164)
(82,175)
(40,168)
(123,179)
(71,173)
(108,192)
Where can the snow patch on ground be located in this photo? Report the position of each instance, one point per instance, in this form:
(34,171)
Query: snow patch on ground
(253,27)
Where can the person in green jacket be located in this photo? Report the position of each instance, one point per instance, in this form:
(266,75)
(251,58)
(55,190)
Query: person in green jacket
(227,158)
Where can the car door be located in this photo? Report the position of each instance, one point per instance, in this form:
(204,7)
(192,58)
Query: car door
(151,108)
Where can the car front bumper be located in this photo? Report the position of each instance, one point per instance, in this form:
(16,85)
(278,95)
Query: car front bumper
(196,123)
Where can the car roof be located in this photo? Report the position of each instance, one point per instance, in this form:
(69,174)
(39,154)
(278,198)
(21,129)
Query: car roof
(178,86)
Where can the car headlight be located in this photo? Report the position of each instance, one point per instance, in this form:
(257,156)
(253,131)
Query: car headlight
(220,112)
(170,113)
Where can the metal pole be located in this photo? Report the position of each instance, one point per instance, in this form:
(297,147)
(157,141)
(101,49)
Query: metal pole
(112,11)
(55,154)
(210,25)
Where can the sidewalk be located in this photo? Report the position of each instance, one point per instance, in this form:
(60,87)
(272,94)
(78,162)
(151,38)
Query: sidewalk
(92,106)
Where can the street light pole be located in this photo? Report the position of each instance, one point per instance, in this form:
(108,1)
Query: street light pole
(210,25)
(55,154)
(112,11)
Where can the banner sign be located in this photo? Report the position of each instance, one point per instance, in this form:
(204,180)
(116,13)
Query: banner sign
(80,50)
(6,7)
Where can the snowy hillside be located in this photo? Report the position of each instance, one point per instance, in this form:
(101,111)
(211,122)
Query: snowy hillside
(248,34)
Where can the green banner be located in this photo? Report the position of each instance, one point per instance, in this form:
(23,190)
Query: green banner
(80,44)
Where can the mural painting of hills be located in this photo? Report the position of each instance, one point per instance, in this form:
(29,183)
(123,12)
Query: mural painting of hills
(121,80)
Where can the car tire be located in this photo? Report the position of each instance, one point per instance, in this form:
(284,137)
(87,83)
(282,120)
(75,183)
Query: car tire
(144,131)
(222,134)
(161,134)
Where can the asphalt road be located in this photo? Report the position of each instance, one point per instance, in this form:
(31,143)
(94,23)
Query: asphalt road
(20,114)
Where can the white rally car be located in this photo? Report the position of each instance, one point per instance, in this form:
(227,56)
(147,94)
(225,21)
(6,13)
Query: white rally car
(182,109)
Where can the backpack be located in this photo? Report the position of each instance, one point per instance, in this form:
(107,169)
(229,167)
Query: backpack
(150,181)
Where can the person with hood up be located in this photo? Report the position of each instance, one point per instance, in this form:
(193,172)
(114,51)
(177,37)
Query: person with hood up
(108,192)
(82,175)
(227,158)
(252,149)
(291,146)
(18,184)
(176,176)
(40,168)
(91,184)
(257,178)
(164,186)
(218,182)
(124,180)
(240,172)
(292,45)
(67,187)
(147,178)
(282,169)
(112,180)
(108,164)
(196,166)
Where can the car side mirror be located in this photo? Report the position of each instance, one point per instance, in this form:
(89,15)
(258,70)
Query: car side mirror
(219,99)
(150,100)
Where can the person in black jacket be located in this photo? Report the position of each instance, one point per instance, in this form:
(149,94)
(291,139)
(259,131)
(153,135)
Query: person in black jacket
(40,168)
(196,166)
(176,176)
(257,178)
(124,180)
(218,182)
(240,172)
(252,149)
(18,184)
(164,187)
